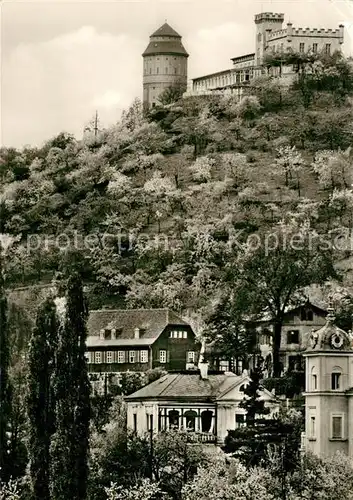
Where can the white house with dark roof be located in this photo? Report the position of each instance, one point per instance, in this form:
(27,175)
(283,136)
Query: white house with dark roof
(205,404)
(138,340)
(299,321)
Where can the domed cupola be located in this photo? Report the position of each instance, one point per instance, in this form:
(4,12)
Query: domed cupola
(330,337)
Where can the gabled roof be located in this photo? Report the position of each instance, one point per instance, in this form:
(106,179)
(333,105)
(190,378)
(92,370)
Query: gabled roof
(315,304)
(151,323)
(166,30)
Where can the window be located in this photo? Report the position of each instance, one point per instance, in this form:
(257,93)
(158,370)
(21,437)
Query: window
(314,381)
(173,419)
(121,356)
(185,335)
(157,70)
(337,426)
(191,357)
(134,416)
(166,70)
(109,357)
(162,356)
(312,427)
(206,420)
(190,420)
(144,356)
(98,357)
(131,356)
(335,380)
(175,71)
(315,48)
(107,334)
(301,47)
(150,71)
(224,365)
(306,315)
(293,337)
(328,48)
(180,335)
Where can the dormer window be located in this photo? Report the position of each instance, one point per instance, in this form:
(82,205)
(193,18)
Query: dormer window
(107,334)
(306,315)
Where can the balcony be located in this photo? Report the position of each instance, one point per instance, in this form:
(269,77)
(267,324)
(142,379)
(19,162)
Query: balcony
(202,437)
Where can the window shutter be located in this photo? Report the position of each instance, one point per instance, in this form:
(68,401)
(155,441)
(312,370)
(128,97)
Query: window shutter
(137,356)
(168,356)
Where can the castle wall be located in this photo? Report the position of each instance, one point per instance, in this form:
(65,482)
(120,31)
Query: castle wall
(312,39)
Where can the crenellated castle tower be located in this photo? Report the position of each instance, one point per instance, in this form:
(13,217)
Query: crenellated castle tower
(164,64)
(266,22)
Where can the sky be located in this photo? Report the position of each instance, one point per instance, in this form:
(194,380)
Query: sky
(62,60)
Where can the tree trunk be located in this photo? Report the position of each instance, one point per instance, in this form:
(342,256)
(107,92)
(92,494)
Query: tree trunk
(276,347)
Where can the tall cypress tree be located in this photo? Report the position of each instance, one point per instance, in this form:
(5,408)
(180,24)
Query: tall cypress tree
(5,386)
(71,441)
(40,399)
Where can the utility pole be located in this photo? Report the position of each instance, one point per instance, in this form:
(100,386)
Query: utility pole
(96,125)
(151,447)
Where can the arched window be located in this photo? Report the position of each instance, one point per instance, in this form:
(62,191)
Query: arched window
(173,419)
(313,379)
(336,378)
(190,420)
(206,420)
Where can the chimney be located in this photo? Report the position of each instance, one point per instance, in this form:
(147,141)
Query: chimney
(203,370)
(137,333)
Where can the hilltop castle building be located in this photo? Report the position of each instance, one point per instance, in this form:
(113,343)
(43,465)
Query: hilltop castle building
(270,37)
(164,64)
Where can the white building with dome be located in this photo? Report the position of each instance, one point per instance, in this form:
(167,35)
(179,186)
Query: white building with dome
(329,391)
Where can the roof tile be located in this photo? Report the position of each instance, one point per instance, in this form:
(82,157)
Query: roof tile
(151,322)
(166,30)
(185,385)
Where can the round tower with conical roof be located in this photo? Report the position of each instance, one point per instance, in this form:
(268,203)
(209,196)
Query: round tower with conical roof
(164,64)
